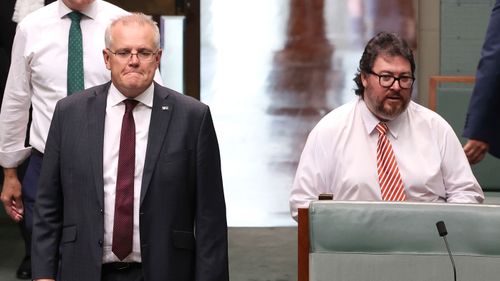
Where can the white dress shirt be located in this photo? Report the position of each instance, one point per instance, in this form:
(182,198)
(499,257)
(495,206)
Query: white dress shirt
(37,74)
(25,7)
(115,108)
(340,157)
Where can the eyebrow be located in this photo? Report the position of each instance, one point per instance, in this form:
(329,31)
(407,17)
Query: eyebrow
(131,49)
(382,72)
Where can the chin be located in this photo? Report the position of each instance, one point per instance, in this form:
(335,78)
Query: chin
(391,113)
(134,83)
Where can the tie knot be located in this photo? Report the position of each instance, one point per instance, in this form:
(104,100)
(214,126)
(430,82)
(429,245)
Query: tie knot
(130,104)
(75,16)
(382,128)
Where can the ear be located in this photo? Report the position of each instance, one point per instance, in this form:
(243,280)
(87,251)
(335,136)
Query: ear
(107,58)
(158,57)
(364,79)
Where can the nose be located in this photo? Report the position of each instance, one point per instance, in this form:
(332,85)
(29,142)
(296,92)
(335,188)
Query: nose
(395,86)
(134,58)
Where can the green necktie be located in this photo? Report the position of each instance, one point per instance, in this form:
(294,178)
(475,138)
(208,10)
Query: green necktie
(75,55)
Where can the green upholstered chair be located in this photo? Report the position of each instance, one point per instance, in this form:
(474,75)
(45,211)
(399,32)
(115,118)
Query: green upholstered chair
(385,241)
(449,96)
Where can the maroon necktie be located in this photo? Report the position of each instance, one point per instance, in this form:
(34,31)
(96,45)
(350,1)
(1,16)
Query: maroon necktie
(124,201)
(391,184)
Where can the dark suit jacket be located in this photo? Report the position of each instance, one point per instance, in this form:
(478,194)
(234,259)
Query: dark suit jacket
(483,117)
(183,231)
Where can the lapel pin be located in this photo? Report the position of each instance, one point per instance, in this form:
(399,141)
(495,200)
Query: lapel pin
(164,107)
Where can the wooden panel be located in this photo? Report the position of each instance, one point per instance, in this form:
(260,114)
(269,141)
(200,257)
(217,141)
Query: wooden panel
(303,245)
(435,80)
(192,49)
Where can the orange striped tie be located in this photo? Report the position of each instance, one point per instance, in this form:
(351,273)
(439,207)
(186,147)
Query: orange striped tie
(391,184)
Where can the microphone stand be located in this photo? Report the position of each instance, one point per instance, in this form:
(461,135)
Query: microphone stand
(441,227)
(451,258)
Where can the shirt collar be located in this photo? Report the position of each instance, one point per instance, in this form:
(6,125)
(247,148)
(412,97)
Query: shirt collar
(115,97)
(90,11)
(370,121)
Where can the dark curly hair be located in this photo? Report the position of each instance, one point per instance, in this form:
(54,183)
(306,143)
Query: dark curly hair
(385,43)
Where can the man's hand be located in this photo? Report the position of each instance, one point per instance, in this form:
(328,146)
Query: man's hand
(476,150)
(11,195)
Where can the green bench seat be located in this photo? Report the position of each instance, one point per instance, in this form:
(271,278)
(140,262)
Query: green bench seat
(385,241)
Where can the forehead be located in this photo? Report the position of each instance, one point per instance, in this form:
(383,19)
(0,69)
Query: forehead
(132,34)
(392,64)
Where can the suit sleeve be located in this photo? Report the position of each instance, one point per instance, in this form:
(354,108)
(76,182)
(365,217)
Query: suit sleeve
(482,115)
(47,217)
(211,225)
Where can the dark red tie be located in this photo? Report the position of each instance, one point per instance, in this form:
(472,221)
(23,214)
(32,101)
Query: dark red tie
(124,201)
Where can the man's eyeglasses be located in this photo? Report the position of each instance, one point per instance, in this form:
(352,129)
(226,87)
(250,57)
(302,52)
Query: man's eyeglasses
(387,80)
(125,55)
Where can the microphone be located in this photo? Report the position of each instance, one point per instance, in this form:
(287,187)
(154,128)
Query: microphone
(443,232)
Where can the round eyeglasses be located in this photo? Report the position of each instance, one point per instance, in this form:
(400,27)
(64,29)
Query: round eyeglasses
(387,80)
(125,55)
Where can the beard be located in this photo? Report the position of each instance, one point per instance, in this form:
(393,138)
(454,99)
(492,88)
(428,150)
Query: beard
(388,107)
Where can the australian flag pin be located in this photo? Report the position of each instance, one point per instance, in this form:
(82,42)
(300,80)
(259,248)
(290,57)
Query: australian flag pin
(164,107)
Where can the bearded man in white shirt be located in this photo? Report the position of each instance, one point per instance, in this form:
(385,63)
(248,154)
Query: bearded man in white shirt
(37,78)
(341,155)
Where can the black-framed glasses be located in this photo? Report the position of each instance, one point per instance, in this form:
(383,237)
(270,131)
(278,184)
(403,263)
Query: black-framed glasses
(387,80)
(125,55)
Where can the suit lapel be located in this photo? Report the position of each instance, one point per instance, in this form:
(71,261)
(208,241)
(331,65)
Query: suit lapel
(160,119)
(96,114)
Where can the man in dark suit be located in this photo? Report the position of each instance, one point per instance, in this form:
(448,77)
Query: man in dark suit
(84,226)
(482,125)
(35,83)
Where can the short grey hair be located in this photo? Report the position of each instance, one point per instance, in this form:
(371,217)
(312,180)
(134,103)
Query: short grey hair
(137,18)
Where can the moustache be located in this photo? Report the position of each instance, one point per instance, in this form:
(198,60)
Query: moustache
(394,95)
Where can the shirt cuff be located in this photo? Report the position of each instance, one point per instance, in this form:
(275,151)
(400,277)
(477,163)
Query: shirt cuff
(13,159)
